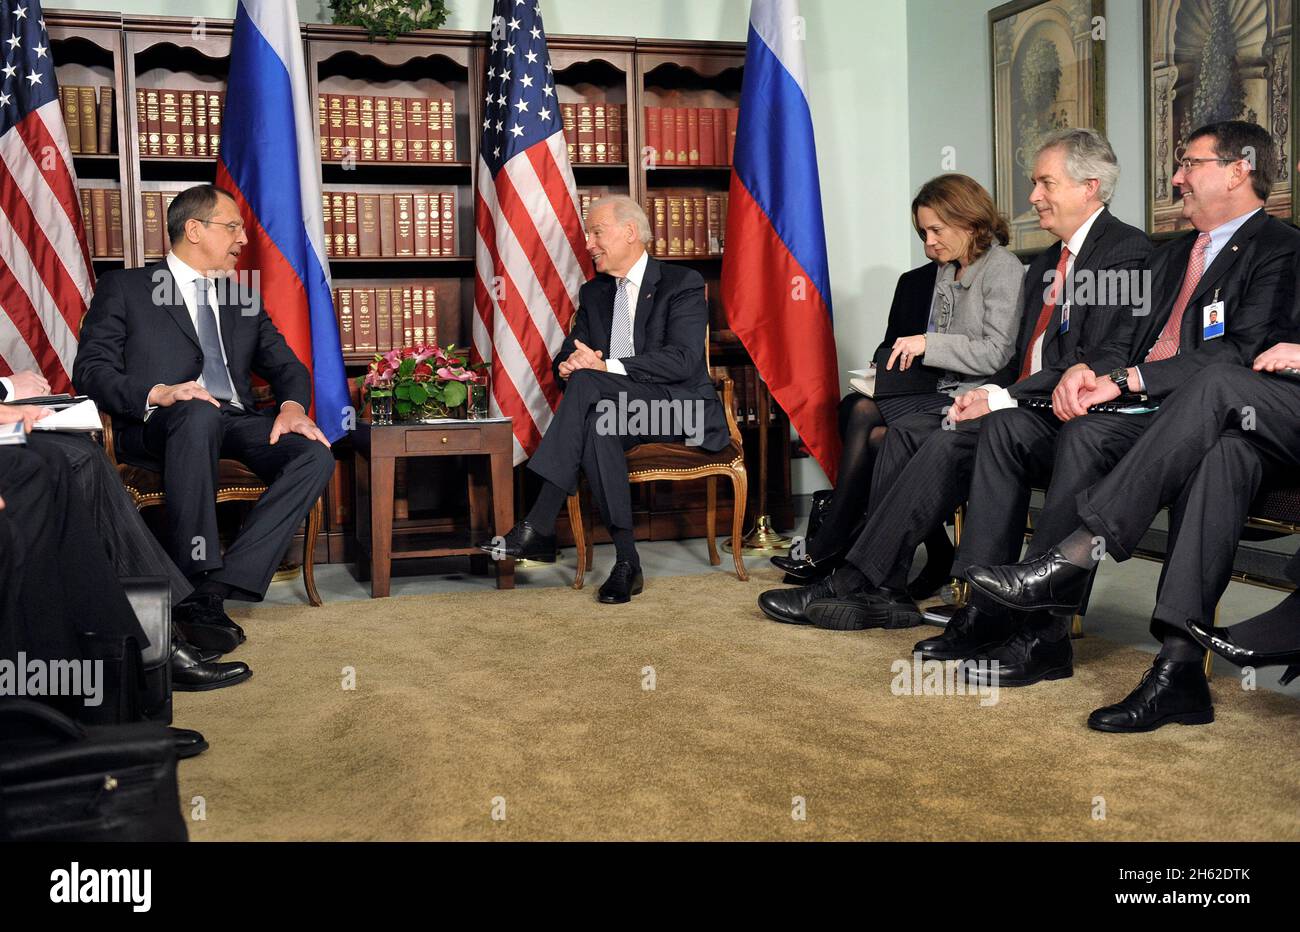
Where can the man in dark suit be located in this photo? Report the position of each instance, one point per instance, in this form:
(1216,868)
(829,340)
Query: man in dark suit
(924,471)
(635,372)
(1239,261)
(169,350)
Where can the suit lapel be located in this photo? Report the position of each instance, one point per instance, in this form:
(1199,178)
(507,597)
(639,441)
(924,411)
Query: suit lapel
(229,314)
(177,309)
(644,301)
(1095,234)
(1226,258)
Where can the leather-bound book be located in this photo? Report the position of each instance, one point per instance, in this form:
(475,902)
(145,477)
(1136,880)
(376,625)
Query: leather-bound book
(367,128)
(383,131)
(105,120)
(447,205)
(708,155)
(448,130)
(337,138)
(668,120)
(421,205)
(660,221)
(417,316)
(387,226)
(676,231)
(363,314)
(431,315)
(397,128)
(681,121)
(216,106)
(383,321)
(169,114)
(569,113)
(369,245)
(141,123)
(733,119)
(88,110)
(347,328)
(692,136)
(700,208)
(614,121)
(600,134)
(115,243)
(187,123)
(151,203)
(338,208)
(586,134)
(201,125)
(417,130)
(351,227)
(87,220)
(153,119)
(405,225)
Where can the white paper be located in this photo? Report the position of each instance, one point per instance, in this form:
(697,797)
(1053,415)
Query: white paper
(81,416)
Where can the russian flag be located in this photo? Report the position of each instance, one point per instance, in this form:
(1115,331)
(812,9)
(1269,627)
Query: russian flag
(270,161)
(776,285)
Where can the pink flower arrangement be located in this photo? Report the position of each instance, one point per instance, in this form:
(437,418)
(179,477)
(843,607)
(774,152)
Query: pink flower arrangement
(424,380)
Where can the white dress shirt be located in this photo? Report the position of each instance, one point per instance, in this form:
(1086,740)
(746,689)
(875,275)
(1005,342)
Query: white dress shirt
(1000,397)
(633,289)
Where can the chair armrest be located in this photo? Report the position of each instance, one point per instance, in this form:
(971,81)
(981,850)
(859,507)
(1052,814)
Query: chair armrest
(726,391)
(106,437)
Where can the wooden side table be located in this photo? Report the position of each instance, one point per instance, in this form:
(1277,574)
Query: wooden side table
(382,446)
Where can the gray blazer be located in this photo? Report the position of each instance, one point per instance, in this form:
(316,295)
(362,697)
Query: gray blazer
(976,320)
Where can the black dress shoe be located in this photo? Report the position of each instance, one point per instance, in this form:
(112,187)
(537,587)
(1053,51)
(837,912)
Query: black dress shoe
(968,633)
(524,542)
(788,605)
(191,675)
(807,569)
(871,608)
(1046,582)
(1220,641)
(189,743)
(1172,691)
(1023,659)
(624,581)
(203,621)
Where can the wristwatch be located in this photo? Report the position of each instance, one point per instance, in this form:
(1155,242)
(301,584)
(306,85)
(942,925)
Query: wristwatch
(1120,378)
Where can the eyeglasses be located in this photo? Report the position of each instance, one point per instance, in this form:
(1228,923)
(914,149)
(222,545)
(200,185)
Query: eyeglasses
(1186,164)
(233,227)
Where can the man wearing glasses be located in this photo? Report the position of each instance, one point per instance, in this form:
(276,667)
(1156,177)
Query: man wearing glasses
(169,351)
(1239,264)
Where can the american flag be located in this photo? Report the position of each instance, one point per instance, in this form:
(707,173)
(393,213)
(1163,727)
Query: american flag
(530,253)
(45,274)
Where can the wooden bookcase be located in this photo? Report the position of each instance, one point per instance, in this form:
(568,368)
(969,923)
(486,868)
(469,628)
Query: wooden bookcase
(132,53)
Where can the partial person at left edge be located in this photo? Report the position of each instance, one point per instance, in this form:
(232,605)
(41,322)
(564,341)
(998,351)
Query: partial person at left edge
(169,350)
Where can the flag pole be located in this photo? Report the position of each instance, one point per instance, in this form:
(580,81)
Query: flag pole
(764,538)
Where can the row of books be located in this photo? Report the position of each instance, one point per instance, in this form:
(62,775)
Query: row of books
(691,135)
(101,212)
(89,120)
(595,133)
(179,123)
(387,226)
(688,224)
(375,320)
(386,129)
(746,394)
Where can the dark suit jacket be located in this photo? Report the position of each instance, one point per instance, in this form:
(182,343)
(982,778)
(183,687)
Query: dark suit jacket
(669,334)
(138,334)
(909,314)
(1254,276)
(1101,330)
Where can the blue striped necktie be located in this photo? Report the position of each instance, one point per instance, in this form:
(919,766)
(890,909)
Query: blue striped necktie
(620,340)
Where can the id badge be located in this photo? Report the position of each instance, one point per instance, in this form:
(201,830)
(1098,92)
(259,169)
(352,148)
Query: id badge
(1213,319)
(1065,319)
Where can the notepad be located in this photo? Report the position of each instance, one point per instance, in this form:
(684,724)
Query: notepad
(81,417)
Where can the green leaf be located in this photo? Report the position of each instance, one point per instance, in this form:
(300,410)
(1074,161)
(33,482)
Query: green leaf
(403,392)
(454,394)
(406,368)
(403,408)
(418,394)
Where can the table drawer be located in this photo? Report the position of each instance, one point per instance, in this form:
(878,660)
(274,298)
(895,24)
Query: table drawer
(442,441)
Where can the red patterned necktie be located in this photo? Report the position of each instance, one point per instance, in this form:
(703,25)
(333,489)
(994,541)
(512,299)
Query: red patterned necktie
(1167,345)
(1045,315)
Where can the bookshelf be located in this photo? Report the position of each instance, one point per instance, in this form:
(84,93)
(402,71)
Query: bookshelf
(140,55)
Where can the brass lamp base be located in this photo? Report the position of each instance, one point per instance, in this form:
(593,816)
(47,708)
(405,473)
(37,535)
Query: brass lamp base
(763,539)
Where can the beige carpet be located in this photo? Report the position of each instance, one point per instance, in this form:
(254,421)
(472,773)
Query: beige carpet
(532,702)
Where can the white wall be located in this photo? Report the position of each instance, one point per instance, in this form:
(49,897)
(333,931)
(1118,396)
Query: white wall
(950,95)
(858,81)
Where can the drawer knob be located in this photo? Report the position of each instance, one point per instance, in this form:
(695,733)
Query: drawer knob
(444,439)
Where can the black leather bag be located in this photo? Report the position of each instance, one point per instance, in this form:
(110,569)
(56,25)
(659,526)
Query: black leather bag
(62,782)
(151,599)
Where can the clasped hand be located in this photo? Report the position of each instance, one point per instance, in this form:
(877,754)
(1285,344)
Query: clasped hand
(582,357)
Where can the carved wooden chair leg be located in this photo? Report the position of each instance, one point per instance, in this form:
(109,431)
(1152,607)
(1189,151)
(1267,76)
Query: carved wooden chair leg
(711,518)
(739,488)
(579,540)
(315,517)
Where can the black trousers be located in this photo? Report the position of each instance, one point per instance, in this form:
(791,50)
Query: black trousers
(583,436)
(189,438)
(1020,448)
(132,548)
(56,582)
(921,475)
(1205,455)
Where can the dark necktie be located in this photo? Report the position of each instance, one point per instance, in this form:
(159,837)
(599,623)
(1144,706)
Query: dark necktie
(215,377)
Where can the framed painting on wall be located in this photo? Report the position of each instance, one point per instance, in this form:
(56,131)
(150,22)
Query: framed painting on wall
(1048,74)
(1212,60)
